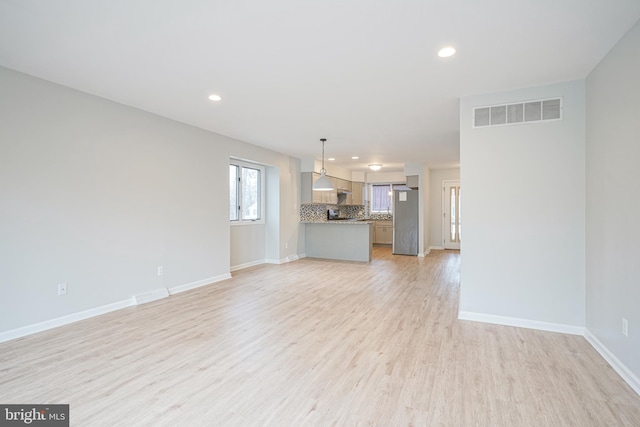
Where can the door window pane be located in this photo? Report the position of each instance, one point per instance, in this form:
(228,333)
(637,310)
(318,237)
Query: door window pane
(459,214)
(454,230)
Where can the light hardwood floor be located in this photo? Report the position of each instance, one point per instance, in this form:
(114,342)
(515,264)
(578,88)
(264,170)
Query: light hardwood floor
(317,343)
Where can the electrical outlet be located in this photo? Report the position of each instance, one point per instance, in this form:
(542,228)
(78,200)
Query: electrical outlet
(160,271)
(625,327)
(62,288)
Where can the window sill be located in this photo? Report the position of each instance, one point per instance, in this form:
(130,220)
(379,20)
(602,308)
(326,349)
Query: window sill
(240,223)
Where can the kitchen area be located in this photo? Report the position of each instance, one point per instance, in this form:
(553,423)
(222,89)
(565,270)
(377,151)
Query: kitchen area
(341,224)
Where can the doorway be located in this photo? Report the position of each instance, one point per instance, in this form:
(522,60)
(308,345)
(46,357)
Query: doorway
(451,218)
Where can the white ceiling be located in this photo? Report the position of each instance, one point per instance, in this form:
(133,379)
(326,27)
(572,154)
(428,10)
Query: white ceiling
(362,73)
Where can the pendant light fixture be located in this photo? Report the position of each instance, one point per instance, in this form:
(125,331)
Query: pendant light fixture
(323,183)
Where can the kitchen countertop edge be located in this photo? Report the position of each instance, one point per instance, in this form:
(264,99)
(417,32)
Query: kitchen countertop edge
(339,222)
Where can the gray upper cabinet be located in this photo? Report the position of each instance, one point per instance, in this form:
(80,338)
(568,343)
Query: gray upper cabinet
(306,185)
(356,193)
(343,188)
(413,181)
(310,196)
(330,197)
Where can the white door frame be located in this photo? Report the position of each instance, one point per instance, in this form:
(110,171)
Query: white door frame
(445,227)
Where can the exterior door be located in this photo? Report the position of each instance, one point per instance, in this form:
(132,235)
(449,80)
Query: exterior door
(451,216)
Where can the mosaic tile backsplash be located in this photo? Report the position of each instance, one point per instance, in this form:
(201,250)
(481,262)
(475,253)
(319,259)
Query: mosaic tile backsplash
(314,212)
(381,216)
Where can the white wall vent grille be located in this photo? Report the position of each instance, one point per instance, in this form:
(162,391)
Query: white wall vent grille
(518,113)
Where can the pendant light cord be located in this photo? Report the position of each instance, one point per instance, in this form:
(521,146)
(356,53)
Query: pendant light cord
(323,169)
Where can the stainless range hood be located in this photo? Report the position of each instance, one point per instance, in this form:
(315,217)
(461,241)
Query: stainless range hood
(343,194)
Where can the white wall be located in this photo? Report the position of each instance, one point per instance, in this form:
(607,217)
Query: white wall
(435,206)
(276,240)
(358,176)
(312,165)
(613,205)
(248,245)
(98,195)
(384,177)
(524,238)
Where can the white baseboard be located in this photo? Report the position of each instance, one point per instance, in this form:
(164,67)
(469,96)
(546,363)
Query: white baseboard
(154,295)
(64,320)
(198,283)
(97,311)
(247,265)
(290,258)
(616,364)
(521,323)
(436,248)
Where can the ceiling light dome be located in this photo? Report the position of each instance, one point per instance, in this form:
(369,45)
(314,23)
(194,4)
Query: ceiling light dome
(375,167)
(446,52)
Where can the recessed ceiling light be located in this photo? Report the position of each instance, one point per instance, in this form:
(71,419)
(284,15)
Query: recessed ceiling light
(215,97)
(331,159)
(355,158)
(375,167)
(445,52)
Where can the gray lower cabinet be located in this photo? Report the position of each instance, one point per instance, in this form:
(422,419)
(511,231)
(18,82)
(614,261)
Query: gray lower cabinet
(383,233)
(349,242)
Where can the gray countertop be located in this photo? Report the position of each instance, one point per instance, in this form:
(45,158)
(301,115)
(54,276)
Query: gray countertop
(345,221)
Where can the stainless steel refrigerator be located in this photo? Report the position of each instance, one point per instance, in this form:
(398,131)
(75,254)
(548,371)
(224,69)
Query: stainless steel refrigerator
(405,222)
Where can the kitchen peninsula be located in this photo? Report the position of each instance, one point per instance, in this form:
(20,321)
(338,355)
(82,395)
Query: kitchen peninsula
(348,240)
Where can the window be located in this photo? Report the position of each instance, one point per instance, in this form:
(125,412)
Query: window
(382,196)
(456,217)
(246,189)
